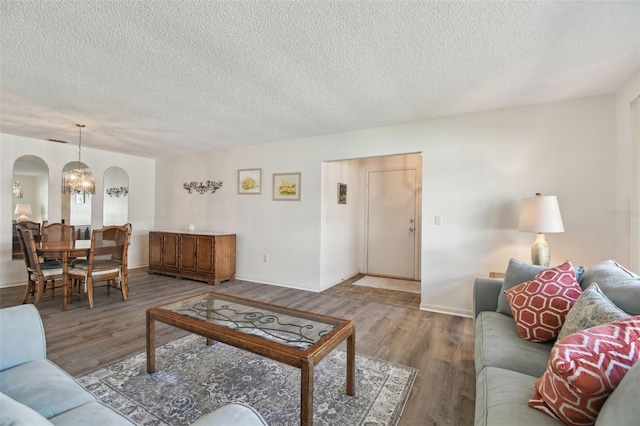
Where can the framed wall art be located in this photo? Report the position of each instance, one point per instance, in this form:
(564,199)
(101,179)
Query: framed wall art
(342,193)
(250,181)
(286,186)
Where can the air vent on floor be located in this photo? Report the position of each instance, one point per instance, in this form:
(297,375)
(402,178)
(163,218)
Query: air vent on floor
(57,141)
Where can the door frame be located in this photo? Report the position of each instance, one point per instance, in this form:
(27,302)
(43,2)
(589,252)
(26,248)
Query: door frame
(417,275)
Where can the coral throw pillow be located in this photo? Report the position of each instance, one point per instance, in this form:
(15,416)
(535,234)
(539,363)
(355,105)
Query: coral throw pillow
(585,368)
(540,306)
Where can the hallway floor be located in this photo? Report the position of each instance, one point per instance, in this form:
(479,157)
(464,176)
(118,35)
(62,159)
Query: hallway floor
(391,297)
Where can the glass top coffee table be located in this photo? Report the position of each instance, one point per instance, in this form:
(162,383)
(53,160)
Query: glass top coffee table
(294,337)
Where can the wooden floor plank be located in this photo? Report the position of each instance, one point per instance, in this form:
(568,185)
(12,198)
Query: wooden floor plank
(439,346)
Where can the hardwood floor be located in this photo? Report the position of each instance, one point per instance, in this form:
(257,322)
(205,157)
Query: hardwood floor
(439,346)
(392,297)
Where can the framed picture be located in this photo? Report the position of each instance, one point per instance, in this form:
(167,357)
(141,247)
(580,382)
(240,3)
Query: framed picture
(286,186)
(250,181)
(342,193)
(81,198)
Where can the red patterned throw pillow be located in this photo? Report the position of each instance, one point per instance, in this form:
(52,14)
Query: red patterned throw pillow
(540,306)
(585,368)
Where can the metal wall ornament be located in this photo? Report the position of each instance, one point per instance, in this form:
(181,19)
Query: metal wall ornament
(201,188)
(17,190)
(117,192)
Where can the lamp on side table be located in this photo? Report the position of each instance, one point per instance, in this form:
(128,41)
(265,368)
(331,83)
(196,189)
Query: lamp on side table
(540,214)
(23,210)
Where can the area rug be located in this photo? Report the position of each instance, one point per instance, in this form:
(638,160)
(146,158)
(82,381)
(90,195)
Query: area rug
(389,284)
(193,379)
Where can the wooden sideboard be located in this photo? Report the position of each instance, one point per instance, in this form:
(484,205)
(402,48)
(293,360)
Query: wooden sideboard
(202,256)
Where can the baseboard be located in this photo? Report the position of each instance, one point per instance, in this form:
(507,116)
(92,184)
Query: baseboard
(351,275)
(277,284)
(446,310)
(13,284)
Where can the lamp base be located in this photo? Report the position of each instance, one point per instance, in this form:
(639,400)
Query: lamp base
(22,218)
(540,254)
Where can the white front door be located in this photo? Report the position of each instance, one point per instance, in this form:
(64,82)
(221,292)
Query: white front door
(391,230)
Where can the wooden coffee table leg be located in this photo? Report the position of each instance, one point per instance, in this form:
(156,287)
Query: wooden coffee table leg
(351,364)
(210,308)
(151,345)
(306,393)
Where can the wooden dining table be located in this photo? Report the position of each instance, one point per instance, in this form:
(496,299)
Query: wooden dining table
(64,250)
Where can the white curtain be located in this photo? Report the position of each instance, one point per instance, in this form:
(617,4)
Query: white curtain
(635,213)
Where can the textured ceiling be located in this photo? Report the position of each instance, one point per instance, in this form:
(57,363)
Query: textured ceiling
(164,78)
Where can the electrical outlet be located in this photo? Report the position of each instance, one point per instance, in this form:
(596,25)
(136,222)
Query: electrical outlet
(266,258)
(438,220)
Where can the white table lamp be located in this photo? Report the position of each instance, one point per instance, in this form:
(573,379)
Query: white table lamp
(540,214)
(23,210)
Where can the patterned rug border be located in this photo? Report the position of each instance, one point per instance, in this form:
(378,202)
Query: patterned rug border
(142,414)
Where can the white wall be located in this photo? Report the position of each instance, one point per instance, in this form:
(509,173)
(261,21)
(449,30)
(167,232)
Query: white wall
(283,230)
(623,208)
(476,169)
(141,196)
(116,209)
(41,192)
(341,223)
(80,211)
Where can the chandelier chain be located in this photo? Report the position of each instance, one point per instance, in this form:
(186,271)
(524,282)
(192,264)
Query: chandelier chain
(80,126)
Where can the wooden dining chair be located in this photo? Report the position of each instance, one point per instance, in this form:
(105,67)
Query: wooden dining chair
(58,232)
(107,262)
(38,274)
(34,227)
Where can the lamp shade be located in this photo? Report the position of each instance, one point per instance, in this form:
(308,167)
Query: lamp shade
(540,214)
(23,209)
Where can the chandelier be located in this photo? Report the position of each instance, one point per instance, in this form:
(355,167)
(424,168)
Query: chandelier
(17,190)
(79,181)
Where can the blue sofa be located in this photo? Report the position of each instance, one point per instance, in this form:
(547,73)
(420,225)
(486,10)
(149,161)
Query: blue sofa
(34,391)
(507,366)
